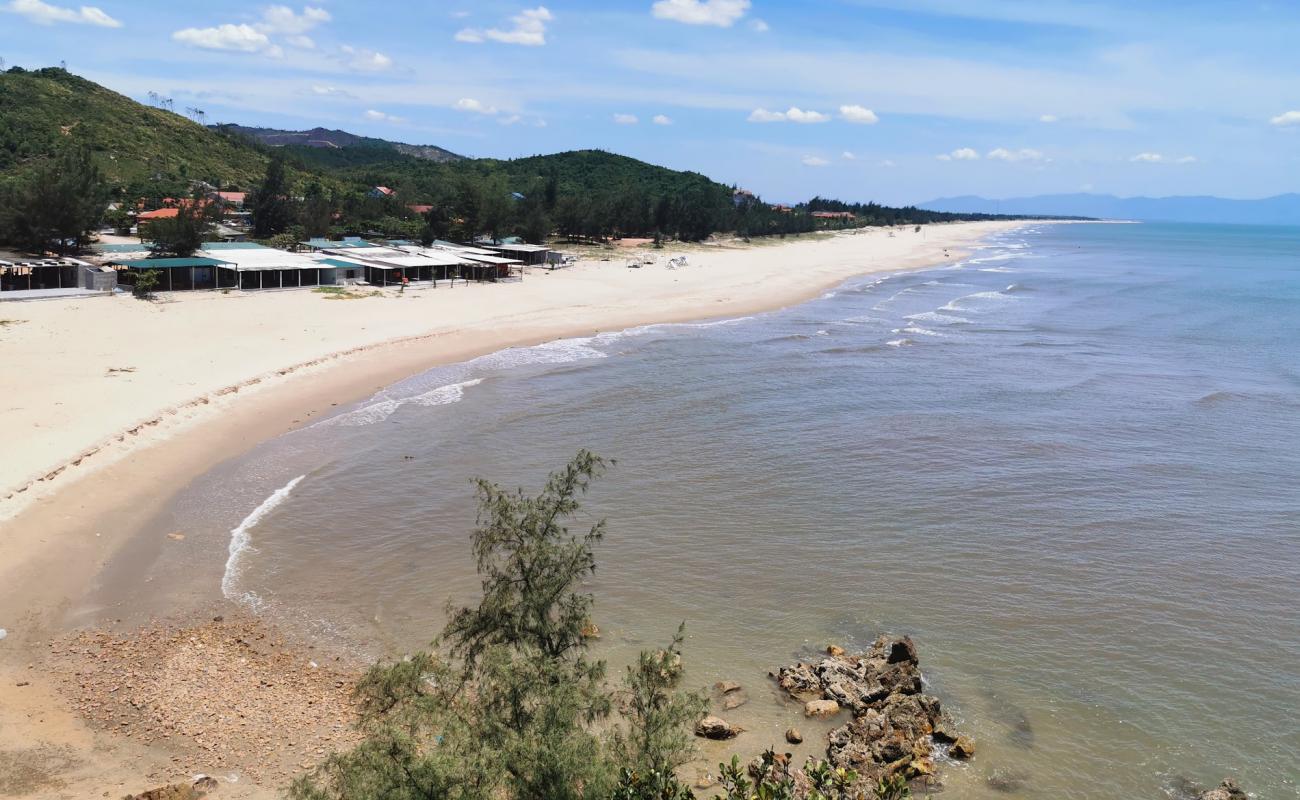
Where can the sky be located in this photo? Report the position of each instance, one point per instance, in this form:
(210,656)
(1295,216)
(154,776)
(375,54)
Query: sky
(896,101)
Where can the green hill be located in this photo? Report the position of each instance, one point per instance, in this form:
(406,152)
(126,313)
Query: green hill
(134,144)
(335,140)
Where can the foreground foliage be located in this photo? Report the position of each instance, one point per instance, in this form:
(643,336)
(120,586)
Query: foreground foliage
(509,705)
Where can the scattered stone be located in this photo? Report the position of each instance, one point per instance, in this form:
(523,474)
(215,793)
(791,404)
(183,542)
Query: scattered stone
(177,537)
(727,687)
(821,708)
(793,736)
(712,727)
(3,633)
(21,684)
(834,650)
(963,748)
(1228,790)
(734,700)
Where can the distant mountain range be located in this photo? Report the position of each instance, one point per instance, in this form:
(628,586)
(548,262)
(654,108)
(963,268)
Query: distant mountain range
(1284,209)
(323,137)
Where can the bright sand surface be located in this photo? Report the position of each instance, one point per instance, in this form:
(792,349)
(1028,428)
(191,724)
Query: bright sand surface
(143,396)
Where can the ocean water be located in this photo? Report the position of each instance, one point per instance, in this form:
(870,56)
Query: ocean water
(1068,466)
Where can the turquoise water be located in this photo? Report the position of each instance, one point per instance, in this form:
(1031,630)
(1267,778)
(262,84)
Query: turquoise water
(1068,466)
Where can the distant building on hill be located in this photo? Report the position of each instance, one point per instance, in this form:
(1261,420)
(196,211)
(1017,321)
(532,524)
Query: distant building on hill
(380,192)
(845,215)
(741,197)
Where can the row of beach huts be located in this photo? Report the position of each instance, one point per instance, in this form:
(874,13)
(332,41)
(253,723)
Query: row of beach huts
(250,266)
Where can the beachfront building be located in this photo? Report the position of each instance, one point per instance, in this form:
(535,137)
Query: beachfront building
(229,265)
(531,255)
(392,266)
(25,274)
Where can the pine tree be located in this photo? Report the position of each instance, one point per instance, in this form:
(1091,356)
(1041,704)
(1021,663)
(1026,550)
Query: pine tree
(57,205)
(271,213)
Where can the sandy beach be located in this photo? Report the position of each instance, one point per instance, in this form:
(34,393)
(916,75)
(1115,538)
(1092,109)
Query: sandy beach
(112,404)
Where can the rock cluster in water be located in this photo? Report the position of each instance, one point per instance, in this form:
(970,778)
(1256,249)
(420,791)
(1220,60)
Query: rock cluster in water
(895,725)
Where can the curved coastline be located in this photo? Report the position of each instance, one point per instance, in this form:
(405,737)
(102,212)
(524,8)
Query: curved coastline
(87,511)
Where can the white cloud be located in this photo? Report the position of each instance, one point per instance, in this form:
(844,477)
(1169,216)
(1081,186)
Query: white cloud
(1023,154)
(625,119)
(662,119)
(45,14)
(379,116)
(359,58)
(805,117)
(303,42)
(763,115)
(1049,118)
(283,20)
(472,106)
(814,161)
(722,13)
(529,30)
(1160,158)
(513,119)
(330,91)
(960,154)
(847,156)
(859,114)
(1286,118)
(793,114)
(887,163)
(759,26)
(233,38)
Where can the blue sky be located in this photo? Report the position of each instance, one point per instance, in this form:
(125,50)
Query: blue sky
(889,100)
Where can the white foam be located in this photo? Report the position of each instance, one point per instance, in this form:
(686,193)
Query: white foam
(899,342)
(935,317)
(239,545)
(964,303)
(444,395)
(917,330)
(996,269)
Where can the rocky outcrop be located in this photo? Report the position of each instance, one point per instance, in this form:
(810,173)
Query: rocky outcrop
(894,722)
(1228,790)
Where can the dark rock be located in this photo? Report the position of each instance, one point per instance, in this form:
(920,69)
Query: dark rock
(834,650)
(902,651)
(727,687)
(800,681)
(793,736)
(1228,790)
(963,748)
(716,728)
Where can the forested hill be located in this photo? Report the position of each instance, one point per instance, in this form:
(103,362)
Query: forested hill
(132,143)
(336,139)
(328,184)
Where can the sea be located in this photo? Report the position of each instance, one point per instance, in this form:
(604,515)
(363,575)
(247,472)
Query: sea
(1068,466)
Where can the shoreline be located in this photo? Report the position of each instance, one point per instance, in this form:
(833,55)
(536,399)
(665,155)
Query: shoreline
(94,508)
